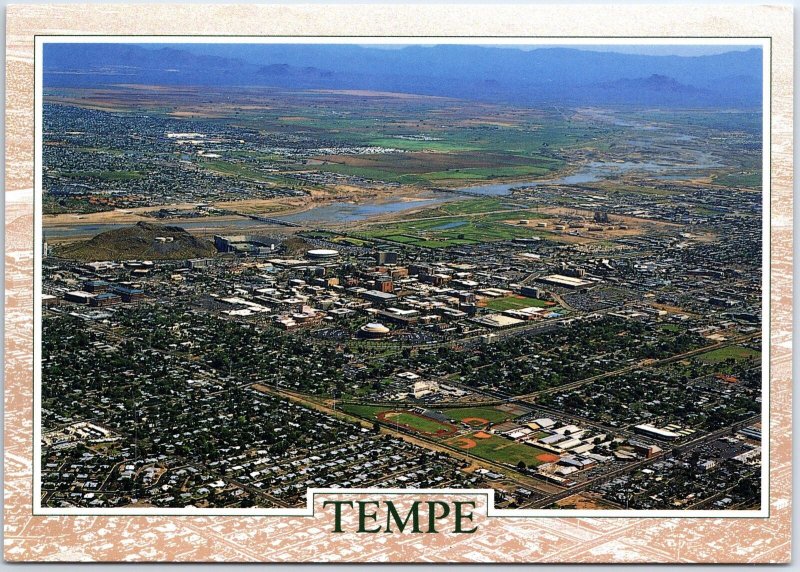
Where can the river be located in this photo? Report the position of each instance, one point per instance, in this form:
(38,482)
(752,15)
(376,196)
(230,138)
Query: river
(342,212)
(597,171)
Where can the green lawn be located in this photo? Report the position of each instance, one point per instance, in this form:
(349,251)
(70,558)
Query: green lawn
(458,230)
(424,424)
(419,423)
(348,240)
(501,450)
(515,303)
(489,413)
(738,353)
(425,243)
(746,179)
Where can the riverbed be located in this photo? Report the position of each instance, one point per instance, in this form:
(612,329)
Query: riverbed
(344,212)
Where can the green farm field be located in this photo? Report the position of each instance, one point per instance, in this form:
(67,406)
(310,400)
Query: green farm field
(745,179)
(421,141)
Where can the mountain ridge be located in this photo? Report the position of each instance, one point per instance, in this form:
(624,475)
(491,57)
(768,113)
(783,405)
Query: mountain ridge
(546,75)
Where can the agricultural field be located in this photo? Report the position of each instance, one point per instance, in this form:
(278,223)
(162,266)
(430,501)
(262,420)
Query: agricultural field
(430,162)
(271,144)
(415,145)
(744,179)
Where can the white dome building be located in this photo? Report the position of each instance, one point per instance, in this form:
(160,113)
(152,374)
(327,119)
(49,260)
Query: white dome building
(322,253)
(374,330)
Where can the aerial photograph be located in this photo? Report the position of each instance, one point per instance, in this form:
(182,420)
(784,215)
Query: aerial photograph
(274,267)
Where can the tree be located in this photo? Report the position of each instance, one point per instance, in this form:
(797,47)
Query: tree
(521,466)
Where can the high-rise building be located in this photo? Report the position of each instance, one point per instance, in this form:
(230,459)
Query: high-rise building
(386,257)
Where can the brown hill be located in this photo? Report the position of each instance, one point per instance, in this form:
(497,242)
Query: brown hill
(139,243)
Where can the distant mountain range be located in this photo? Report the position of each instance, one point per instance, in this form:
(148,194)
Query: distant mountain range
(493,74)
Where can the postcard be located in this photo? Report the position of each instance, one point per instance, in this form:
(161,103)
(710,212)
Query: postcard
(331,283)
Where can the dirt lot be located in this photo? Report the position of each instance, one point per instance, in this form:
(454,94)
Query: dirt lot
(633,226)
(585,501)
